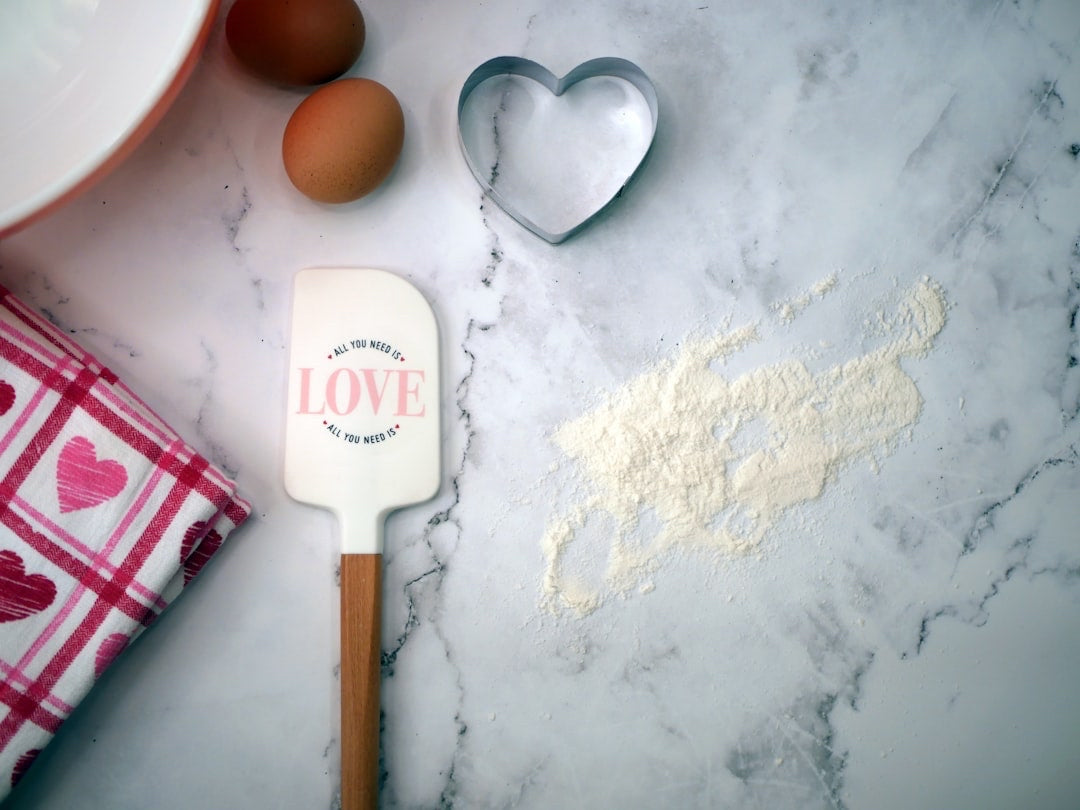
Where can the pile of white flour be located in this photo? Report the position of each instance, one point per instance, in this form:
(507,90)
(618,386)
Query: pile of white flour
(674,444)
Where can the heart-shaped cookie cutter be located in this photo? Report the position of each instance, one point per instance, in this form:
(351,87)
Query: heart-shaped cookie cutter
(593,68)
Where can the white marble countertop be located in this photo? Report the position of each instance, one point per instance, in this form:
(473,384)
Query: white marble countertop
(909,638)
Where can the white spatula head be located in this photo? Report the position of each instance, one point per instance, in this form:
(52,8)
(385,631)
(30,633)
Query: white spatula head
(362,432)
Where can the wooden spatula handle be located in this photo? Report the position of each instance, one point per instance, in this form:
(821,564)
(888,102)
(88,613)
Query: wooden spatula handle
(361,600)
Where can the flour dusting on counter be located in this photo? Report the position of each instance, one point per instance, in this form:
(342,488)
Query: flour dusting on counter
(701,462)
(788,310)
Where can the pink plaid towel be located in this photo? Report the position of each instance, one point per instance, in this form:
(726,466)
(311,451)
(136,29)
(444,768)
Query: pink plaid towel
(105,515)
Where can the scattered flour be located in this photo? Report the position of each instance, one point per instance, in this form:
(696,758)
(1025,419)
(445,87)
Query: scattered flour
(827,284)
(787,310)
(714,462)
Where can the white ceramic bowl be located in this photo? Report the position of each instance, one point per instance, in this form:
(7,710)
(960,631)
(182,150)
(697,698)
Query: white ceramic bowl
(81,83)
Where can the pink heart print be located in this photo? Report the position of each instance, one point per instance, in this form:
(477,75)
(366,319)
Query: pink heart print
(7,396)
(112,646)
(22,594)
(195,557)
(83,480)
(23,764)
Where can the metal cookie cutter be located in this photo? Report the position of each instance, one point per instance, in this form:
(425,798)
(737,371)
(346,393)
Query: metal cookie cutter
(519,66)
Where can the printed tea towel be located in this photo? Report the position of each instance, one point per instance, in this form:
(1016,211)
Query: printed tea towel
(105,515)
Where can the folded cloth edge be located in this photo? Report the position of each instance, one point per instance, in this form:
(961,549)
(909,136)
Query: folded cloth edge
(24,698)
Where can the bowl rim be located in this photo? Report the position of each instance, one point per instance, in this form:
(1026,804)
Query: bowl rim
(130,134)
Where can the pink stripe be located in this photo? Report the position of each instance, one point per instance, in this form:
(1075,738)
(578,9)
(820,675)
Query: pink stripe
(28,342)
(44,353)
(105,391)
(23,314)
(140,502)
(10,674)
(38,352)
(93,560)
(125,406)
(57,622)
(28,411)
(213,488)
(144,496)
(98,561)
(34,320)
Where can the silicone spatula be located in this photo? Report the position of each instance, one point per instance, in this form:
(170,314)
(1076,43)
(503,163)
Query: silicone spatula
(362,438)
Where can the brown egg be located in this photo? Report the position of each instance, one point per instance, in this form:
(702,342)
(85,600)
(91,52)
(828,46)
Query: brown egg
(343,140)
(298,41)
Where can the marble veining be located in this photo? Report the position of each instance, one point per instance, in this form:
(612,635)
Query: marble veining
(909,639)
